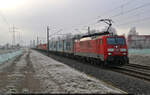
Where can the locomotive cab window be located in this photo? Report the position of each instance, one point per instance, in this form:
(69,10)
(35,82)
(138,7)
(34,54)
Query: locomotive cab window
(120,41)
(115,40)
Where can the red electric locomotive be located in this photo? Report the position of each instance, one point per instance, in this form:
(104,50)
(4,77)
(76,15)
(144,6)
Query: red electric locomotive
(107,48)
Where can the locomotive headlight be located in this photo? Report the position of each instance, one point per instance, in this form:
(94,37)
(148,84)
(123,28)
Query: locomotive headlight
(123,50)
(109,53)
(110,49)
(124,53)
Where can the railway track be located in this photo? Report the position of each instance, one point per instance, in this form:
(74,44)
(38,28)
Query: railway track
(139,66)
(131,84)
(134,70)
(138,71)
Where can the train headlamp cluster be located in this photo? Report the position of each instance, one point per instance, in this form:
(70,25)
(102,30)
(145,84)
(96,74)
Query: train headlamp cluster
(124,53)
(111,50)
(109,53)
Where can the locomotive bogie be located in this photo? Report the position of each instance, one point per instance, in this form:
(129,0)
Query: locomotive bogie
(117,60)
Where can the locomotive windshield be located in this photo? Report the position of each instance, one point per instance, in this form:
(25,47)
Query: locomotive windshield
(115,40)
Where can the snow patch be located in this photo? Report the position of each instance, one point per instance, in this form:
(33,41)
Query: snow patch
(58,77)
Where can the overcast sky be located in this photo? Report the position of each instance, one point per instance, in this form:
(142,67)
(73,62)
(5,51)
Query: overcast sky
(32,16)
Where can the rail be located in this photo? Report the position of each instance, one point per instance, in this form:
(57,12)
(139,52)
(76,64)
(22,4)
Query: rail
(138,71)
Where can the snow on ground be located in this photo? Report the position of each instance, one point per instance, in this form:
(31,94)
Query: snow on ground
(13,76)
(141,59)
(16,76)
(57,77)
(19,76)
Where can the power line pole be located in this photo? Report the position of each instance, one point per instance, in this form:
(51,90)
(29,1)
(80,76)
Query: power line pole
(47,38)
(13,35)
(30,43)
(89,30)
(33,43)
(21,38)
(13,30)
(37,40)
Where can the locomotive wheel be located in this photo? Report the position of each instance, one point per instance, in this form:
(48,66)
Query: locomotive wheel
(92,61)
(96,61)
(105,63)
(125,61)
(102,64)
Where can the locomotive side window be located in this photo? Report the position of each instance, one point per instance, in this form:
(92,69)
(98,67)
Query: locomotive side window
(113,41)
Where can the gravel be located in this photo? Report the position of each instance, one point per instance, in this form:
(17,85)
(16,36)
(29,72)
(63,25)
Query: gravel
(141,59)
(121,81)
